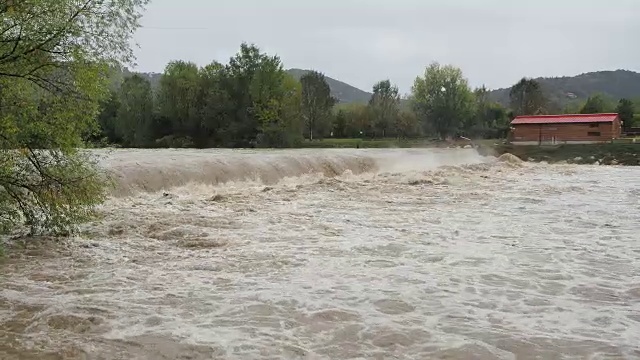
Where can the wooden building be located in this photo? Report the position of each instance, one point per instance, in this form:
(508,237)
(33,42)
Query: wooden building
(565,129)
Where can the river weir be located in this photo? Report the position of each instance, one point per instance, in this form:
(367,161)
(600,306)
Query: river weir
(336,254)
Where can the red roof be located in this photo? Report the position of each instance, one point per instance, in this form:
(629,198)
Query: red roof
(567,118)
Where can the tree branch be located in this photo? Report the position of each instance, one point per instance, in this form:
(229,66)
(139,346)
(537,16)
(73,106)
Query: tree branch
(11,57)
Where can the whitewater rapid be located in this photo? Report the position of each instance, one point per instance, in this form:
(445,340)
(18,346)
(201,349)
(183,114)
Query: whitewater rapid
(336,254)
(135,171)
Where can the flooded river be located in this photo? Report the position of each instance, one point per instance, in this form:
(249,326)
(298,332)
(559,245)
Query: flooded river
(337,254)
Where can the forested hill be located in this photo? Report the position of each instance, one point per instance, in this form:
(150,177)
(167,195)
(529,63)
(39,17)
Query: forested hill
(570,89)
(560,90)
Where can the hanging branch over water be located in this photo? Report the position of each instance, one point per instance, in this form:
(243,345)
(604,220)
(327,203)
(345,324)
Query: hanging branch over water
(55,59)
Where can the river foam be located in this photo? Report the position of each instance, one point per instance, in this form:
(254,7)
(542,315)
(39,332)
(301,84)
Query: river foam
(370,254)
(155,170)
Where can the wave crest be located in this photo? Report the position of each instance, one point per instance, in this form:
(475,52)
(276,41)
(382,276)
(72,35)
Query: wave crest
(136,171)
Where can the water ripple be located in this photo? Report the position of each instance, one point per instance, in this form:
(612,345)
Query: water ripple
(482,261)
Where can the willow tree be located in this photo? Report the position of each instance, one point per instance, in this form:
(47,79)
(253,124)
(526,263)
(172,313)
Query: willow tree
(55,59)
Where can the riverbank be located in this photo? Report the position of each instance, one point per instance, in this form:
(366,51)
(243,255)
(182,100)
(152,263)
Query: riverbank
(602,154)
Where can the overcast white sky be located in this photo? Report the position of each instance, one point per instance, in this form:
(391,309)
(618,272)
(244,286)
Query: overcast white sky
(494,42)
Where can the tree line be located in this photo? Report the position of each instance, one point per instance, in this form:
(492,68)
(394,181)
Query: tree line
(253,102)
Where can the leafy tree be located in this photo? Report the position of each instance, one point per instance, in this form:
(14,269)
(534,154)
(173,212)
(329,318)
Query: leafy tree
(498,122)
(490,119)
(340,123)
(135,118)
(280,124)
(596,104)
(317,103)
(245,84)
(407,125)
(265,100)
(267,93)
(481,95)
(214,103)
(526,98)
(359,120)
(356,121)
(478,124)
(384,106)
(107,121)
(626,110)
(442,99)
(178,99)
(53,65)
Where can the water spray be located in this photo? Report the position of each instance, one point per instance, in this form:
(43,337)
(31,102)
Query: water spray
(471,141)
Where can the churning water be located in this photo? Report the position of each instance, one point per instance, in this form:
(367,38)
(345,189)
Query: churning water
(362,254)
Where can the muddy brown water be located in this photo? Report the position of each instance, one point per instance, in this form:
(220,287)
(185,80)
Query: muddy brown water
(336,254)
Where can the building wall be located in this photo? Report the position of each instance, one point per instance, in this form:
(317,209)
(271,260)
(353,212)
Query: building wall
(617,128)
(582,133)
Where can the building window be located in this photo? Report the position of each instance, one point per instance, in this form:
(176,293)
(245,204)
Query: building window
(593,133)
(593,125)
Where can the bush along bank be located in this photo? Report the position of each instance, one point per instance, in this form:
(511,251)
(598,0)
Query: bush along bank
(597,154)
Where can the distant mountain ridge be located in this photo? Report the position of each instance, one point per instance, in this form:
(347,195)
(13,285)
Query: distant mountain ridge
(344,92)
(562,91)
